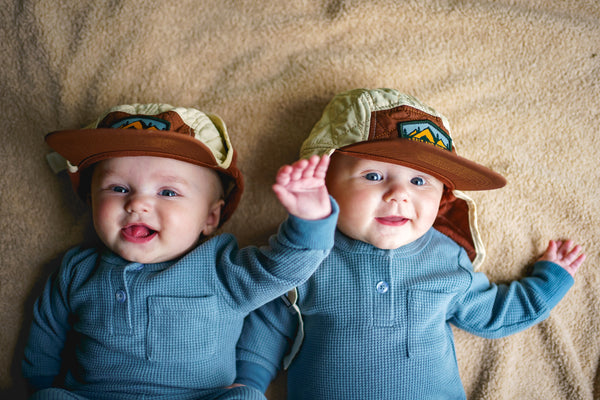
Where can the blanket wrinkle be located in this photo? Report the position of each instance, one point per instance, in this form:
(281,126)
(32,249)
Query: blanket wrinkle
(518,80)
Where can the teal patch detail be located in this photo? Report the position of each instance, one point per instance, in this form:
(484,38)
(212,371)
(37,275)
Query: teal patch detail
(424,131)
(145,122)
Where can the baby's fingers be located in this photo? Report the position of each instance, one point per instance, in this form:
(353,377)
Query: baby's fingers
(572,266)
(284,175)
(307,170)
(299,169)
(569,257)
(577,263)
(321,166)
(564,249)
(551,251)
(314,167)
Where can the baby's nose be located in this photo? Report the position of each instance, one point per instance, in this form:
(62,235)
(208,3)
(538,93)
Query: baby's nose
(138,203)
(396,192)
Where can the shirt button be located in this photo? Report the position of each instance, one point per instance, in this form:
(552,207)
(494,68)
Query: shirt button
(121,296)
(382,287)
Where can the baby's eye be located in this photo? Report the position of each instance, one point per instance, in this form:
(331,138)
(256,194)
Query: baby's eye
(373,176)
(167,193)
(418,181)
(119,189)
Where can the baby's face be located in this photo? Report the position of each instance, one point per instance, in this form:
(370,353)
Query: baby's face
(153,209)
(384,204)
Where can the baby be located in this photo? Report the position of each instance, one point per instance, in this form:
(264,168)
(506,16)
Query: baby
(375,317)
(156,310)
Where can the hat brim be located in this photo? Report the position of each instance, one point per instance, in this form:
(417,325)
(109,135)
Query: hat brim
(85,147)
(455,171)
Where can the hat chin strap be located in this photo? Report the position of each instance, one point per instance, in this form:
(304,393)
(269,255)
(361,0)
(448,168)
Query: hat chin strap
(475,236)
(72,168)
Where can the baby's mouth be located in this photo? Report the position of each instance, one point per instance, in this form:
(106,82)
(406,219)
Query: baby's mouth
(138,233)
(392,220)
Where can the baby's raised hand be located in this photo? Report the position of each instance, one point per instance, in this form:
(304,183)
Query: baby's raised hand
(300,188)
(565,255)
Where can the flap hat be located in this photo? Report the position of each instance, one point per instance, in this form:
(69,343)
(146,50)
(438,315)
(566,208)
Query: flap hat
(158,130)
(389,126)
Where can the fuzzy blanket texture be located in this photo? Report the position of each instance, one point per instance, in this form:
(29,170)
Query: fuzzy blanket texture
(519,81)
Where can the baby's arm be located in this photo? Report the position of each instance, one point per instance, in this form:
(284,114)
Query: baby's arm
(497,310)
(300,188)
(565,255)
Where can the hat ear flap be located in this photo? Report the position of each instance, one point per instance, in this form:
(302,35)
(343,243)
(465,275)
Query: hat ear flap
(457,219)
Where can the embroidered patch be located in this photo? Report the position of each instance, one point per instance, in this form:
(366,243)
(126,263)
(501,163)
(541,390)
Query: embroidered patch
(145,122)
(424,131)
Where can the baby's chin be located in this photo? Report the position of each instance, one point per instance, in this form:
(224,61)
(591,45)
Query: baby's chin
(152,252)
(389,244)
(145,257)
(384,242)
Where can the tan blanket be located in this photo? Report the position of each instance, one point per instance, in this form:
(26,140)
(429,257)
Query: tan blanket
(519,81)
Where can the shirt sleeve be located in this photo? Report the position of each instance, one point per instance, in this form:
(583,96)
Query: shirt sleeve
(493,311)
(266,338)
(253,276)
(50,327)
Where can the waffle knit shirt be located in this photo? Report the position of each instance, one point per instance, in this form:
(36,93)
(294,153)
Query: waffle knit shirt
(377,322)
(165,330)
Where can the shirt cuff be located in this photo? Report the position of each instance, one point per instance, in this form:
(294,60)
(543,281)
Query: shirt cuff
(254,375)
(556,281)
(312,234)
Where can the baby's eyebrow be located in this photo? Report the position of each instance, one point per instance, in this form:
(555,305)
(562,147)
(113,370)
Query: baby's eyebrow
(172,179)
(108,173)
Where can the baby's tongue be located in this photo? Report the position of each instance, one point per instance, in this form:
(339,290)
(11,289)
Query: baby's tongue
(138,231)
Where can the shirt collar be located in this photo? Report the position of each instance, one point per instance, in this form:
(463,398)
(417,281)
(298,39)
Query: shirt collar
(350,245)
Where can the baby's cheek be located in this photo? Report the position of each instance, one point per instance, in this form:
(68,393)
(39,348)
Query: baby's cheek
(104,219)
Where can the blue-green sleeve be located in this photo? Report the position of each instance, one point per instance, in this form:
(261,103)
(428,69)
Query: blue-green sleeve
(50,326)
(495,311)
(253,276)
(266,338)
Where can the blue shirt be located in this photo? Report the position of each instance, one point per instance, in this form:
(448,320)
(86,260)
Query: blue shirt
(377,322)
(166,329)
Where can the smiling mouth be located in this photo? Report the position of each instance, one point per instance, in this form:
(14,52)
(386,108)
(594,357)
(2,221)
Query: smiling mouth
(392,220)
(138,233)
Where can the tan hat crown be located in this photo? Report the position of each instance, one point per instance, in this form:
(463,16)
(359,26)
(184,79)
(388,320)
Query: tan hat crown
(347,118)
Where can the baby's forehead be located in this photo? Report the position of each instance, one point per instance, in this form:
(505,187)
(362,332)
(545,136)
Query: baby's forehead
(159,168)
(340,160)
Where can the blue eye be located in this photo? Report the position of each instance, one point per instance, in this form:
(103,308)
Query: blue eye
(373,176)
(418,181)
(167,193)
(119,189)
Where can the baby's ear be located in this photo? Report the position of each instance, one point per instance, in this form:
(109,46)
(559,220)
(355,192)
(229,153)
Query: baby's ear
(213,218)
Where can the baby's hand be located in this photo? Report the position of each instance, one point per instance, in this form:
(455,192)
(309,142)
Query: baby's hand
(300,187)
(564,255)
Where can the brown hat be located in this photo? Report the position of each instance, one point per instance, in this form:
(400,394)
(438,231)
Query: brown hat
(389,126)
(386,125)
(158,130)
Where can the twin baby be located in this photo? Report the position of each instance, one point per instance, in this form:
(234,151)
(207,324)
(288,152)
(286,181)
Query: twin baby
(380,247)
